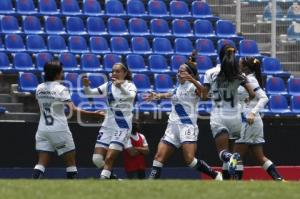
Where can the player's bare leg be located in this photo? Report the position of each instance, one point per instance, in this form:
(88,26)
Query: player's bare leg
(70,162)
(111,155)
(164,151)
(43,161)
(268,165)
(189,151)
(99,156)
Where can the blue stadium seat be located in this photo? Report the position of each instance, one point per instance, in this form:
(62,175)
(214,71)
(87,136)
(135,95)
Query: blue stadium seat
(202,10)
(176,61)
(267,13)
(2,109)
(1,45)
(136,63)
(158,64)
(201,78)
(90,63)
(157,9)
(206,47)
(295,105)
(293,12)
(226,29)
(162,46)
(272,66)
(35,43)
(77,44)
(116,27)
(99,45)
(119,45)
(54,25)
(249,48)
(9,24)
(160,28)
(165,105)
(73,81)
(48,7)
(142,82)
(203,28)
(5,66)
(41,59)
(70,7)
(81,101)
(69,62)
(96,79)
(292,34)
(96,26)
(294,86)
(182,28)
(223,42)
(56,44)
(25,7)
(32,25)
(203,63)
(14,43)
(275,86)
(6,7)
(92,8)
(114,8)
(136,8)
(138,27)
(75,26)
(278,105)
(109,60)
(140,45)
(179,9)
(144,106)
(183,46)
(163,82)
(27,82)
(23,62)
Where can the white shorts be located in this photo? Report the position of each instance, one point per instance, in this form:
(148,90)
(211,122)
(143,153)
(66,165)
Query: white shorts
(178,134)
(252,134)
(116,139)
(230,123)
(61,142)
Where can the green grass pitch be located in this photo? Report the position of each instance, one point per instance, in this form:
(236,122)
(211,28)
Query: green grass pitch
(135,189)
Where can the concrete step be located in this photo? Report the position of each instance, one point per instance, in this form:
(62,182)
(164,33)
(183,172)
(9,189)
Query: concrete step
(258,37)
(13,107)
(5,98)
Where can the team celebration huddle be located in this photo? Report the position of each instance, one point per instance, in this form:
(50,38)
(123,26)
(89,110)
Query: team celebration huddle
(234,86)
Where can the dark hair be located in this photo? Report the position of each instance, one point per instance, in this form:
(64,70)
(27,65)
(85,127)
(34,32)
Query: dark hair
(229,64)
(192,65)
(52,69)
(253,65)
(126,69)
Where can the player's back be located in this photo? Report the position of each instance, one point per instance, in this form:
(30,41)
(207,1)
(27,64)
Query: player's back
(51,97)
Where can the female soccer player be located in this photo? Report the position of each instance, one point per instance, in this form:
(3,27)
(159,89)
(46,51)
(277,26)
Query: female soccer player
(252,135)
(182,129)
(116,127)
(53,132)
(225,119)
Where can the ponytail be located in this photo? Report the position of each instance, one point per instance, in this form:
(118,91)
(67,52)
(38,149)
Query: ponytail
(254,66)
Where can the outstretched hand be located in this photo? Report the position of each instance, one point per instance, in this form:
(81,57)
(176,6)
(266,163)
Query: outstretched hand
(117,82)
(85,82)
(151,96)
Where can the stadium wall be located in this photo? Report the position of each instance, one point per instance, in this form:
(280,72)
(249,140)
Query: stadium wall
(17,143)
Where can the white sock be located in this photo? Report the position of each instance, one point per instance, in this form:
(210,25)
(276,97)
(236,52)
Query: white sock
(193,163)
(72,169)
(157,164)
(105,173)
(40,167)
(267,164)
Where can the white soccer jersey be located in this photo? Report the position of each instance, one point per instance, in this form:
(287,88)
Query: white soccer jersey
(224,96)
(120,102)
(256,104)
(184,104)
(51,97)
(207,76)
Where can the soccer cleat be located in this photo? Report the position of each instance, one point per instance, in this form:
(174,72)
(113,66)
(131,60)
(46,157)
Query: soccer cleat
(233,163)
(219,176)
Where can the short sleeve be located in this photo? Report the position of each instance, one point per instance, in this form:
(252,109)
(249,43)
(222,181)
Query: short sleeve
(102,89)
(65,95)
(145,143)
